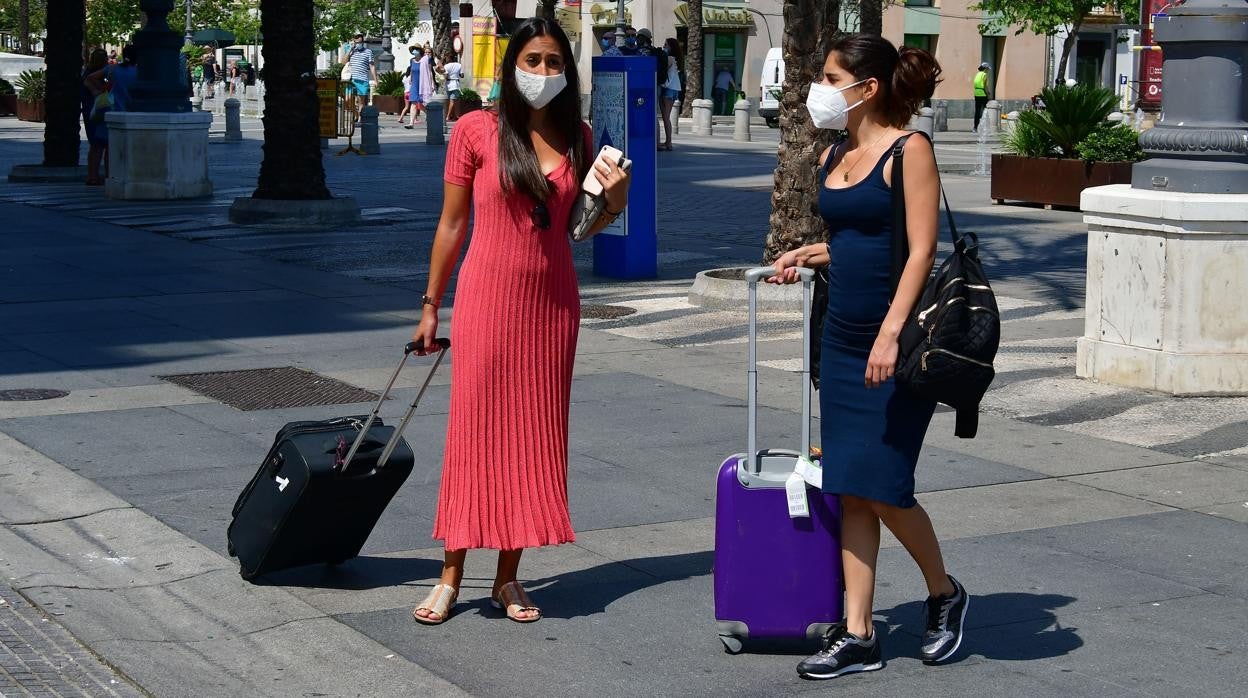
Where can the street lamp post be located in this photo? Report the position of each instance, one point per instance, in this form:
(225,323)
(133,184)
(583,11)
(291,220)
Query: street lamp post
(385,62)
(188,40)
(620,24)
(1201,143)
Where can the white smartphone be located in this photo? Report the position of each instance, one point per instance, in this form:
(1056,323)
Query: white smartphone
(591,185)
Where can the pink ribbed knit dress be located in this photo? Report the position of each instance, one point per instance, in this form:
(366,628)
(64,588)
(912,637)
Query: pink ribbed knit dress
(513,335)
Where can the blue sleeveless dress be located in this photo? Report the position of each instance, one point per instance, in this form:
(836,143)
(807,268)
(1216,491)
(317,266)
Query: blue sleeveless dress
(871,437)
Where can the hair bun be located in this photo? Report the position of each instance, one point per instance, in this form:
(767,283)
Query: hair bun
(916,76)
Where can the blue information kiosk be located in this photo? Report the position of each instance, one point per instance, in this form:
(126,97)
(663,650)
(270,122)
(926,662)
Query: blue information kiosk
(625,114)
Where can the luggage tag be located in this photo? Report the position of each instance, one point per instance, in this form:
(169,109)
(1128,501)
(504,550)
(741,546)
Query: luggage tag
(795,488)
(805,472)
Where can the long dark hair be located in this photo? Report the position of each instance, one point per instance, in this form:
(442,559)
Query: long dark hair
(517,162)
(97,60)
(907,77)
(672,47)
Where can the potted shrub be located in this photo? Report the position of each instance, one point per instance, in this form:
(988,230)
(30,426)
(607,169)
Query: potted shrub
(468,100)
(8,98)
(389,96)
(31,89)
(1053,155)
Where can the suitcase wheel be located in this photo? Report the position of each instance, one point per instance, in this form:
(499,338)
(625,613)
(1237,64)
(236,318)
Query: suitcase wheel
(732,643)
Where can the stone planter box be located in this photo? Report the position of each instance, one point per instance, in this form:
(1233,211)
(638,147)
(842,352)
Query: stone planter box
(1051,181)
(388,105)
(30,111)
(8,105)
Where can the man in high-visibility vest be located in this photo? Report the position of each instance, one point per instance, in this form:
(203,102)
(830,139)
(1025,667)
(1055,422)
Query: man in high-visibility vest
(981,92)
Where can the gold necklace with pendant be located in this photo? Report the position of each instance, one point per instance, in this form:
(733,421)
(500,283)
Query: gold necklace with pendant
(864,154)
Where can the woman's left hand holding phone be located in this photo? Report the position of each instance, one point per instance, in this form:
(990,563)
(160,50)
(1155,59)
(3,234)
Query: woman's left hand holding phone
(615,182)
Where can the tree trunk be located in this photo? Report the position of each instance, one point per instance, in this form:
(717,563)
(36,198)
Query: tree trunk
(440,11)
(808,26)
(23,27)
(291,168)
(871,17)
(547,9)
(693,58)
(1067,45)
(63,50)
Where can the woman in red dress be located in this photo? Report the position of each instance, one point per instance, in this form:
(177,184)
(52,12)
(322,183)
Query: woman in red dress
(517,311)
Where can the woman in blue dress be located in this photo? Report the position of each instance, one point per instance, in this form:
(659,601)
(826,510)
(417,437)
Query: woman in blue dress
(873,429)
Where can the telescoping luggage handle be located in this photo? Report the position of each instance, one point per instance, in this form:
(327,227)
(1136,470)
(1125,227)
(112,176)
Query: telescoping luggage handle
(752,277)
(411,348)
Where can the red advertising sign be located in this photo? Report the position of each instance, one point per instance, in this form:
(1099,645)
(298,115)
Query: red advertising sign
(1150,55)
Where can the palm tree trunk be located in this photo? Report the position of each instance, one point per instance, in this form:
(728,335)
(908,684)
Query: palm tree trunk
(693,58)
(440,11)
(23,27)
(64,76)
(871,16)
(795,221)
(291,168)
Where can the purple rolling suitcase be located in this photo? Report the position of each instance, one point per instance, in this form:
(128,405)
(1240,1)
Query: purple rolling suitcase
(776,578)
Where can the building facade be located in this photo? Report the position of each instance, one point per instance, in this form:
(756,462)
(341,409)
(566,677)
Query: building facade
(737,35)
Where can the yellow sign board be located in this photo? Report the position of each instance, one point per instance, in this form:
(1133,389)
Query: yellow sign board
(327,107)
(570,21)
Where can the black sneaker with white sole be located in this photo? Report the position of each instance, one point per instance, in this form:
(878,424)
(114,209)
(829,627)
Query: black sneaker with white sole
(842,653)
(945,616)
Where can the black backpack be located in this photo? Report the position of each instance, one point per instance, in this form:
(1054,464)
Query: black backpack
(951,337)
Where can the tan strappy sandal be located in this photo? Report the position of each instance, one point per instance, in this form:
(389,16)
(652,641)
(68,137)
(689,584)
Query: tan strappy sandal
(441,600)
(513,598)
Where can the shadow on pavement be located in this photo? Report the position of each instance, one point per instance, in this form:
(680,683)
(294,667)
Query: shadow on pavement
(589,591)
(357,574)
(1015,627)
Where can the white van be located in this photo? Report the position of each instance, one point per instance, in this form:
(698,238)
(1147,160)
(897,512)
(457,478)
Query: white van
(772,84)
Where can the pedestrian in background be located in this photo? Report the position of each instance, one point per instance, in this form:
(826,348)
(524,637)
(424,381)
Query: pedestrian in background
(515,171)
(725,87)
(670,90)
(872,429)
(454,72)
(980,86)
(413,88)
(363,70)
(210,76)
(407,92)
(97,130)
(427,85)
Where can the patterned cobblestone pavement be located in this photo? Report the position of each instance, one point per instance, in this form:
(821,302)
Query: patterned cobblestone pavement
(39,658)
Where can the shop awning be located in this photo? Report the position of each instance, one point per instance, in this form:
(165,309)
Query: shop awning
(718,16)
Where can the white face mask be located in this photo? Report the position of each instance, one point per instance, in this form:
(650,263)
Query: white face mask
(539,90)
(828,107)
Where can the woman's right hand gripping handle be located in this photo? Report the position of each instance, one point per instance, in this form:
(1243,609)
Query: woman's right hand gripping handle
(427,331)
(809,256)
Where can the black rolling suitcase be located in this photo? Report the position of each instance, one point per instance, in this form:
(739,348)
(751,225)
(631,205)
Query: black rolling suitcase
(322,487)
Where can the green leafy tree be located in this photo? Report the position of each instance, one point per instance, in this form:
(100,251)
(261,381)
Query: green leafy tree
(1048,17)
(112,21)
(337,20)
(32,14)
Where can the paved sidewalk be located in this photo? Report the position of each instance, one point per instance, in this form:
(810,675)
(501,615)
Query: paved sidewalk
(1088,522)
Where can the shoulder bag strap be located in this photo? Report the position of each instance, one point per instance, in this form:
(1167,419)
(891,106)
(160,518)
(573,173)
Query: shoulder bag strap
(901,243)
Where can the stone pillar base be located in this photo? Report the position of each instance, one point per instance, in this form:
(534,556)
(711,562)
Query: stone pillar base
(1163,371)
(1167,292)
(44,174)
(341,210)
(158,155)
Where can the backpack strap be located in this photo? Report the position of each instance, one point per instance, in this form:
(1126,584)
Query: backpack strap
(901,242)
(966,424)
